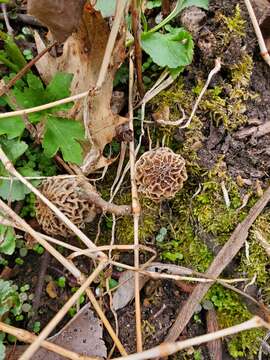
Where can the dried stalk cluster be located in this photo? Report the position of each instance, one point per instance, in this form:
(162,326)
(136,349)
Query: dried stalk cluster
(160,174)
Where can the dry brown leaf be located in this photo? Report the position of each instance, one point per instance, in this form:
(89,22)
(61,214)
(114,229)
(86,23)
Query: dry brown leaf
(62,17)
(82,56)
(125,292)
(82,335)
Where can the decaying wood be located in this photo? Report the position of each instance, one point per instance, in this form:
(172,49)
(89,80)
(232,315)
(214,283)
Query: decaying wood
(255,131)
(224,257)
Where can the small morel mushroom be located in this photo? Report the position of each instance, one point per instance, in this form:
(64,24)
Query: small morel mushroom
(63,193)
(160,173)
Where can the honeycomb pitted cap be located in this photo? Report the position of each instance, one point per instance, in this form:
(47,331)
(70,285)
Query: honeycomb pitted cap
(63,193)
(160,174)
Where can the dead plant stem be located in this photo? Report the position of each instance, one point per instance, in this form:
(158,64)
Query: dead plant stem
(136,22)
(167,349)
(135,208)
(264,52)
(120,7)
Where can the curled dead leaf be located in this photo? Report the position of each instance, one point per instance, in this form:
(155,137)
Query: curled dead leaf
(82,335)
(62,17)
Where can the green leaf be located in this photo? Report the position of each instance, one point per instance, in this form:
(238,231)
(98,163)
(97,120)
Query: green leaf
(153,4)
(12,127)
(180,6)
(106,7)
(13,148)
(62,134)
(2,351)
(7,240)
(16,191)
(173,49)
(32,93)
(9,298)
(59,87)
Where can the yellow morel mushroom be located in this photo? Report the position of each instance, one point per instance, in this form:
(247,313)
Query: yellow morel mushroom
(160,174)
(63,193)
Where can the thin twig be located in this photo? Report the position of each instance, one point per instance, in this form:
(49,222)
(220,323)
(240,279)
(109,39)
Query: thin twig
(8,26)
(86,192)
(136,22)
(264,52)
(214,71)
(119,14)
(167,349)
(135,209)
(27,337)
(43,107)
(24,70)
(45,260)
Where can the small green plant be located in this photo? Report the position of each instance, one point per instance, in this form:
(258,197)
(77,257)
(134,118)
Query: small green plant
(36,327)
(60,133)
(38,249)
(7,240)
(61,282)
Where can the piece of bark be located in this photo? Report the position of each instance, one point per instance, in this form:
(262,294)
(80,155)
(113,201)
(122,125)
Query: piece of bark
(214,347)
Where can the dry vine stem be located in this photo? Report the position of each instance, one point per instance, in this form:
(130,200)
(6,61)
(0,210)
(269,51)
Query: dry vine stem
(135,208)
(167,349)
(264,52)
(27,337)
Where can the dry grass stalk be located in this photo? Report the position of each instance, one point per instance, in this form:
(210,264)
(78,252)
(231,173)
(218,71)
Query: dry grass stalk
(27,337)
(264,52)
(23,225)
(261,239)
(214,71)
(136,209)
(167,349)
